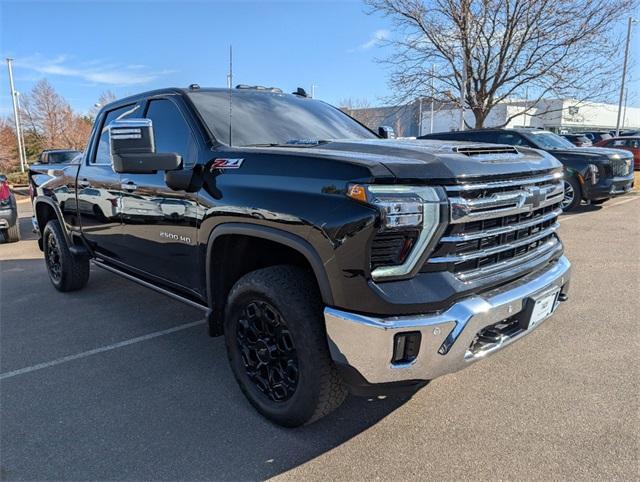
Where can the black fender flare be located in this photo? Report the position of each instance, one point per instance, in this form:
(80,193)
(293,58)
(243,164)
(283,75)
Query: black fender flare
(58,213)
(278,236)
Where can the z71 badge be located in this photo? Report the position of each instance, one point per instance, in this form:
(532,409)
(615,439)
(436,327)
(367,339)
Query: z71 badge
(226,164)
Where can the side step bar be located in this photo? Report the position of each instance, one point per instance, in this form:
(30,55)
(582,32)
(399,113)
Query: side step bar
(170,294)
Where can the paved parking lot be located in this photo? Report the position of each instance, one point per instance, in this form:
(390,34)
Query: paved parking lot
(117,382)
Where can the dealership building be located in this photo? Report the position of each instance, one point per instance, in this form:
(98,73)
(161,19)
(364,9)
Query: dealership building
(557,115)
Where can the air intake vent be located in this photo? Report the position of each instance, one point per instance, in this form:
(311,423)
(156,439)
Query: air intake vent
(493,152)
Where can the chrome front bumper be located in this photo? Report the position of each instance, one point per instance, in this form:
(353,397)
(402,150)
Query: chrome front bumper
(366,343)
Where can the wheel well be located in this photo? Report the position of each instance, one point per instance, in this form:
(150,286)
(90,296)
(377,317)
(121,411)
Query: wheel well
(235,255)
(44,214)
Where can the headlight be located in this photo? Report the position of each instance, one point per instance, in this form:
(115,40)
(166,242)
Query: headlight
(409,217)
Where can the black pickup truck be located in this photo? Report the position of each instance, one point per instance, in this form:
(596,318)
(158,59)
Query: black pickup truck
(329,258)
(591,174)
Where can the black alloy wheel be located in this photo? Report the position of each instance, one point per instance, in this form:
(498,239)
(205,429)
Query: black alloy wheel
(277,346)
(268,353)
(53,259)
(67,271)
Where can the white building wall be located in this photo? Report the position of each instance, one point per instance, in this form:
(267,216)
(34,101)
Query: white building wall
(562,115)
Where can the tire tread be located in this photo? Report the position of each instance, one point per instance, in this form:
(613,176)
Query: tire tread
(301,291)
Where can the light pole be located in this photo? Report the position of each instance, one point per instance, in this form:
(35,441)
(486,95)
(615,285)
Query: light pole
(624,73)
(16,115)
(24,146)
(433,94)
(420,117)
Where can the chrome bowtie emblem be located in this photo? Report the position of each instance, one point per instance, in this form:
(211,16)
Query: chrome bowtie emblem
(535,196)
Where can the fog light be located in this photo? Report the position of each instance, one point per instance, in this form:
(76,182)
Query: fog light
(406,347)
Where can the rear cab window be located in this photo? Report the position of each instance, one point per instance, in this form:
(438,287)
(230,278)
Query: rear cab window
(103,150)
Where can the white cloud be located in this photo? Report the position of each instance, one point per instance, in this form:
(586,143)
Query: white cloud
(376,38)
(94,71)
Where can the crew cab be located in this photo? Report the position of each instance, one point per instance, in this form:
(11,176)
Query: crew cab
(591,174)
(330,259)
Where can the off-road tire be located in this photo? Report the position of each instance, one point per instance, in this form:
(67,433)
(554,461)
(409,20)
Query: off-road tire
(294,295)
(12,235)
(577,194)
(71,272)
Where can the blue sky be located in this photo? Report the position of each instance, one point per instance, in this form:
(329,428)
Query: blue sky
(85,48)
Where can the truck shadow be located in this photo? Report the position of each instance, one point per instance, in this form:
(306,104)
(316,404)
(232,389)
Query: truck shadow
(583,208)
(162,408)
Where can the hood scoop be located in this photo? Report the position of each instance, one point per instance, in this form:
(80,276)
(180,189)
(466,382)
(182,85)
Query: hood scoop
(493,154)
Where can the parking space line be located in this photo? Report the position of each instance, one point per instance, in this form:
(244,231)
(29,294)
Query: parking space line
(569,217)
(102,349)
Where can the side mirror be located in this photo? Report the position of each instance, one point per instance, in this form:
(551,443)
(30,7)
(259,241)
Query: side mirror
(386,132)
(133,148)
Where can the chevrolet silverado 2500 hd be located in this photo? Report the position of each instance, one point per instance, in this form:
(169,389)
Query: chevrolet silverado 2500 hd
(329,259)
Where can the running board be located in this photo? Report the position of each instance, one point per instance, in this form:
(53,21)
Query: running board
(170,294)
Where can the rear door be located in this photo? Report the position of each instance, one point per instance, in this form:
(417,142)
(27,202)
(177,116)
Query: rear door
(160,224)
(97,196)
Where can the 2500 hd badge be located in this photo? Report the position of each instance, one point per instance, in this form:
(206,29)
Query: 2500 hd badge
(175,237)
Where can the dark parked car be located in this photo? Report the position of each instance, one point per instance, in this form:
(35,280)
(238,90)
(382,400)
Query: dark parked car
(595,136)
(57,156)
(629,143)
(591,173)
(329,258)
(578,140)
(9,228)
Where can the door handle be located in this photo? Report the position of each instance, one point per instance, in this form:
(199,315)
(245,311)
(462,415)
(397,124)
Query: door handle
(84,183)
(129,186)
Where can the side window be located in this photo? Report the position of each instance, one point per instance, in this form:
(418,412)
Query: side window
(486,136)
(511,138)
(619,143)
(171,131)
(103,152)
(471,136)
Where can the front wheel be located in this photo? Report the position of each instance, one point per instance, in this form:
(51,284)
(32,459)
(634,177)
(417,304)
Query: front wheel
(277,346)
(67,272)
(572,194)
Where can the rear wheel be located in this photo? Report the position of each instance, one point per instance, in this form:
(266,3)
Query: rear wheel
(572,194)
(12,234)
(67,272)
(277,346)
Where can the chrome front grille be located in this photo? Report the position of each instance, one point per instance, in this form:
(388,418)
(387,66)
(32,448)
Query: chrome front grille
(621,167)
(498,226)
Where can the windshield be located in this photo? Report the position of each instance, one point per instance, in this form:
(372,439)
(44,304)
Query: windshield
(62,157)
(265,118)
(549,140)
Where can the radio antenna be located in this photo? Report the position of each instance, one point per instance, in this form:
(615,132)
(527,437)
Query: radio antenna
(230,86)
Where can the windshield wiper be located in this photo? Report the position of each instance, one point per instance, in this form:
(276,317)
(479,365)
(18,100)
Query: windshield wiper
(292,143)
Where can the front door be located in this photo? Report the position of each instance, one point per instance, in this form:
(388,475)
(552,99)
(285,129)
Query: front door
(160,224)
(98,194)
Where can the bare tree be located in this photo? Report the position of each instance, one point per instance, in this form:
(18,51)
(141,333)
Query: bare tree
(361,110)
(8,146)
(50,122)
(497,50)
(105,98)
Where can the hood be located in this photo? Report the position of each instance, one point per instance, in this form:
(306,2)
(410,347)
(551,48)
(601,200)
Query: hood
(592,154)
(434,160)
